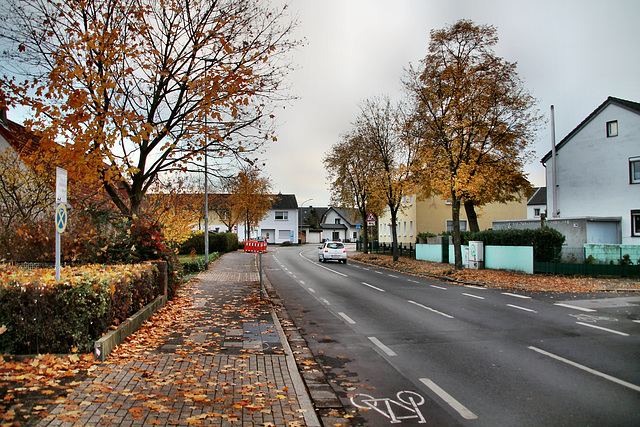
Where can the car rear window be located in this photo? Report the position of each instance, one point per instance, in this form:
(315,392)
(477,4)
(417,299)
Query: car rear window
(335,245)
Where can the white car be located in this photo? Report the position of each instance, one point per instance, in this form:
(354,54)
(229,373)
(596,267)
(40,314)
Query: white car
(332,251)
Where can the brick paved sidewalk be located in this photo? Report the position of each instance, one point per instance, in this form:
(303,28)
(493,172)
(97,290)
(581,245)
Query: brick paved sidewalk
(219,362)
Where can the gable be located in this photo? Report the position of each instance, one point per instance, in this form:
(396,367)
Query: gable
(631,106)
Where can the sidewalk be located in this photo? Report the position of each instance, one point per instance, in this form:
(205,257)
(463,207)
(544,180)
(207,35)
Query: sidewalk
(216,355)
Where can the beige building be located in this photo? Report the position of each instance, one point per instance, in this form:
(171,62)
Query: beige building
(433,215)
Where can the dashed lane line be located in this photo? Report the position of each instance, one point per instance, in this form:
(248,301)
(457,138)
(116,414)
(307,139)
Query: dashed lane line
(603,329)
(587,369)
(574,307)
(431,309)
(373,287)
(382,347)
(521,308)
(459,407)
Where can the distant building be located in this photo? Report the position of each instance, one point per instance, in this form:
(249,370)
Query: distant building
(433,215)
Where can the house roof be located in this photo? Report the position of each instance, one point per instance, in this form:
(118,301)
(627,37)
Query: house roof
(306,211)
(347,214)
(628,105)
(539,197)
(284,201)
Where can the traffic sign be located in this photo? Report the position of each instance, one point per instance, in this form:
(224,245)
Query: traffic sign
(371,220)
(61,218)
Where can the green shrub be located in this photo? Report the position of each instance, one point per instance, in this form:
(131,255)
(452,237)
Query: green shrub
(197,265)
(546,242)
(223,242)
(42,315)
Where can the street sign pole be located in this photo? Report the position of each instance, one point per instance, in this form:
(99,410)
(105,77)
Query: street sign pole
(61,213)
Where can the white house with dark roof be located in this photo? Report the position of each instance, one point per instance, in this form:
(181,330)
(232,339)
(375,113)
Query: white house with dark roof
(598,174)
(537,204)
(340,224)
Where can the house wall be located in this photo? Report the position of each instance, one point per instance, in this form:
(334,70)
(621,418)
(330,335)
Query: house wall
(279,230)
(343,234)
(431,215)
(593,171)
(531,214)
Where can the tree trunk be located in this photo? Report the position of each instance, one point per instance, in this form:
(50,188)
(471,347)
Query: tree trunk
(457,240)
(365,249)
(394,235)
(472,217)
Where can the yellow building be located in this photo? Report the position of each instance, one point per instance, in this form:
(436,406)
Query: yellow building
(433,215)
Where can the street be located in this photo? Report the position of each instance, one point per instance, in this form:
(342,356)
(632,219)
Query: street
(402,349)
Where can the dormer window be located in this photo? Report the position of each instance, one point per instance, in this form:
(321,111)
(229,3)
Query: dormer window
(612,128)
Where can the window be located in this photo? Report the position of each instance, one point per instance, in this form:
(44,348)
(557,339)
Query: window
(405,229)
(410,228)
(335,236)
(536,212)
(463,225)
(282,215)
(612,128)
(635,223)
(634,170)
(337,220)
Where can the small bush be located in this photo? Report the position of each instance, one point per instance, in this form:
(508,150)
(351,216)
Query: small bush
(546,242)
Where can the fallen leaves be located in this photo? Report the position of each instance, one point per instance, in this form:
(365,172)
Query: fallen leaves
(502,279)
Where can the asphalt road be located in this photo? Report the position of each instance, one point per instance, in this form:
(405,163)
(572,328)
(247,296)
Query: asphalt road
(415,351)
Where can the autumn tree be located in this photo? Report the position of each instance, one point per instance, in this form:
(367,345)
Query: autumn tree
(24,195)
(250,197)
(134,89)
(475,119)
(352,170)
(384,133)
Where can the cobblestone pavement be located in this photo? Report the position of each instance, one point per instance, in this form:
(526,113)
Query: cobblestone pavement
(221,363)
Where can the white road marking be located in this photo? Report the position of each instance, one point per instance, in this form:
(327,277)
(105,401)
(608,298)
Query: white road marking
(313,291)
(391,275)
(479,288)
(379,272)
(302,282)
(413,281)
(587,369)
(325,301)
(516,295)
(521,308)
(575,307)
(438,287)
(431,309)
(373,287)
(382,347)
(347,318)
(460,408)
(636,321)
(603,329)
(472,296)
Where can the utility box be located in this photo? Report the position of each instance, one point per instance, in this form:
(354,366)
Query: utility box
(476,255)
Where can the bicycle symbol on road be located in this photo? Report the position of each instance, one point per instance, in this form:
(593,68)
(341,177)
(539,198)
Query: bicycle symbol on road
(405,408)
(593,319)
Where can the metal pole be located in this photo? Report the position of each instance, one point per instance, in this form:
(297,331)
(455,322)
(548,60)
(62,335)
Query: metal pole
(57,255)
(206,212)
(554,187)
(261,285)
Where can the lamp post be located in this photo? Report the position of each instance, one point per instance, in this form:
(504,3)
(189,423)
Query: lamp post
(206,212)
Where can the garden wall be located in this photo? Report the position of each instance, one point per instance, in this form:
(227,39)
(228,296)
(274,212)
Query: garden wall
(511,258)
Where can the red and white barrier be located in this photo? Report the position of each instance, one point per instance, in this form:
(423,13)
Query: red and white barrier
(255,246)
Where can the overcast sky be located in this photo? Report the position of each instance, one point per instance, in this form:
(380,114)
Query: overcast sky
(570,53)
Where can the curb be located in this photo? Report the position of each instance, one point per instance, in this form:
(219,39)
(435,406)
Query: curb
(105,345)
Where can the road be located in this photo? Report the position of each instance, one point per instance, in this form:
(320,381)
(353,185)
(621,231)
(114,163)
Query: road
(415,351)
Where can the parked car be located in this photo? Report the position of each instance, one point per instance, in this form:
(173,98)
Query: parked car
(332,251)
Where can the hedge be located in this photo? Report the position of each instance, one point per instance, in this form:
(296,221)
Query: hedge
(42,315)
(546,241)
(219,242)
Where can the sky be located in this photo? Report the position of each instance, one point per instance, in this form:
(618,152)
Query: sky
(572,54)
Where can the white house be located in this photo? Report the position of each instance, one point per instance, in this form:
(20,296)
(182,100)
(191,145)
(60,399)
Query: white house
(598,174)
(281,223)
(537,204)
(340,224)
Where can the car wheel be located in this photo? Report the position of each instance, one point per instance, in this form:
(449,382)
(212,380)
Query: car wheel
(345,261)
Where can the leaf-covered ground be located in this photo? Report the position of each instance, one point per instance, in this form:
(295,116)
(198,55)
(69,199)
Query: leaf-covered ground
(187,366)
(504,279)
